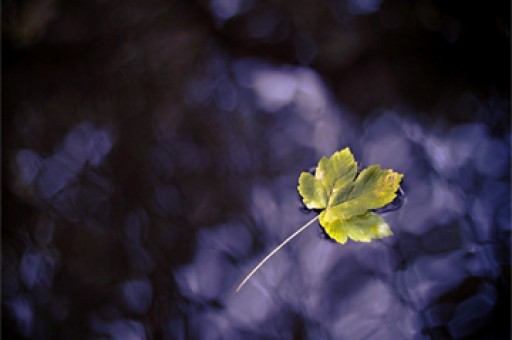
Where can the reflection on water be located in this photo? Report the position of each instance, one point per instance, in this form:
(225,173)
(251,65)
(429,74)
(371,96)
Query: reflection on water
(137,216)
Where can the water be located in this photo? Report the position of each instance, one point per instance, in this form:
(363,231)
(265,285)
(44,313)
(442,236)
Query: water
(150,164)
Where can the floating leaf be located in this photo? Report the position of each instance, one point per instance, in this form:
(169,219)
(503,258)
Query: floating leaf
(345,200)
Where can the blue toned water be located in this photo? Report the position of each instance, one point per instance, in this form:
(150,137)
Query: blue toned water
(152,158)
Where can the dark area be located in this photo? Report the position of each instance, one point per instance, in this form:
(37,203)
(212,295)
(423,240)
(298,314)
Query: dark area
(151,152)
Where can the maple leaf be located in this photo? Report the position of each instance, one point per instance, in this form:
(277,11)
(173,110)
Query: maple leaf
(345,200)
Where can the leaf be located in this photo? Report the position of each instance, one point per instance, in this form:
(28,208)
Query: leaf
(347,200)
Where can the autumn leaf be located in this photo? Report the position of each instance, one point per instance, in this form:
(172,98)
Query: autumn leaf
(345,200)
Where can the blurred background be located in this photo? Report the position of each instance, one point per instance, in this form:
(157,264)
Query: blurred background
(151,151)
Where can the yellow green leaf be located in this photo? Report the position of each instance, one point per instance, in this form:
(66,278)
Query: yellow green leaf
(346,199)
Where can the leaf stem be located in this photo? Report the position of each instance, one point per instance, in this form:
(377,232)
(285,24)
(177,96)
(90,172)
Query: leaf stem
(276,249)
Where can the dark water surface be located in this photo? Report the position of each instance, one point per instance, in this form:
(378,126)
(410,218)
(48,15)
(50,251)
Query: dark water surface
(151,152)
